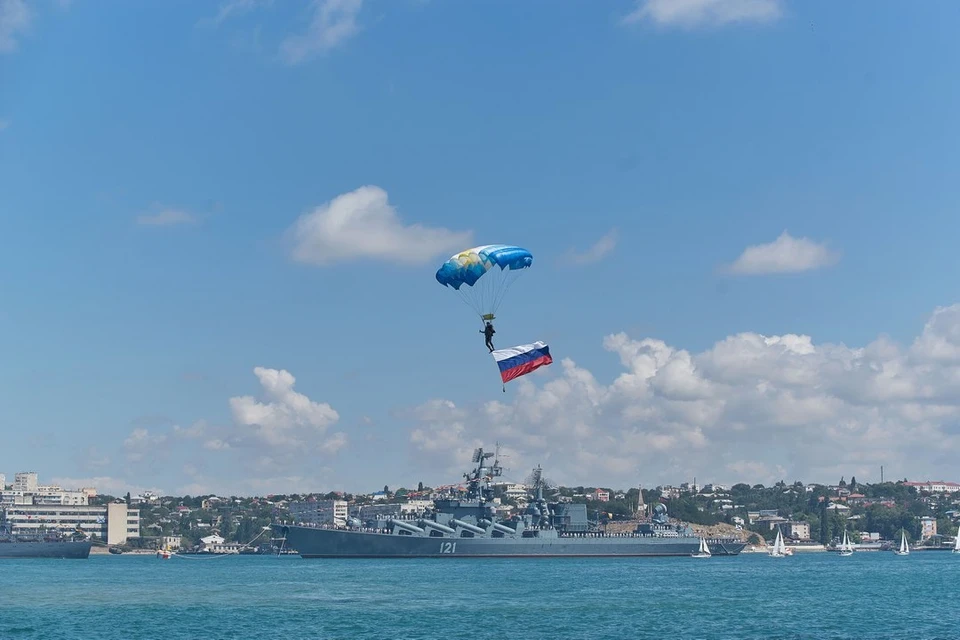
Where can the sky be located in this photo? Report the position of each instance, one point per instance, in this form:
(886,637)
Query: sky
(220,225)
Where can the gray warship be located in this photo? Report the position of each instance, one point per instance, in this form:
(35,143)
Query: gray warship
(468,526)
(43,546)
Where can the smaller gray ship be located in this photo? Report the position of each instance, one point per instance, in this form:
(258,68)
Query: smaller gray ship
(48,545)
(468,526)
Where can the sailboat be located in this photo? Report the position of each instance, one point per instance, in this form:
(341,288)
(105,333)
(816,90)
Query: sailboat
(846,549)
(779,549)
(904,549)
(956,544)
(703,552)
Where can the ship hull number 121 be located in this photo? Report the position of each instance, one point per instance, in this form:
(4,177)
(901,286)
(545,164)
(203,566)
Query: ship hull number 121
(448,547)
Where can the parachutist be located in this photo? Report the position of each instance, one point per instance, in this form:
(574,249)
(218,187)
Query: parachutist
(488,332)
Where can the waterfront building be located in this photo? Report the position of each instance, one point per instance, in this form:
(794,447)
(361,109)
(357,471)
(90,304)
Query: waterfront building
(320,511)
(113,523)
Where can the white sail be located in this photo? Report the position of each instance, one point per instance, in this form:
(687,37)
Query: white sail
(779,548)
(846,548)
(703,551)
(904,547)
(956,543)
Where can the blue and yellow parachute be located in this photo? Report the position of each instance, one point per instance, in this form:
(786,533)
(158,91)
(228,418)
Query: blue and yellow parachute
(482,275)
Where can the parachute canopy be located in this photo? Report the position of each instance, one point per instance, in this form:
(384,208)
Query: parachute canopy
(482,275)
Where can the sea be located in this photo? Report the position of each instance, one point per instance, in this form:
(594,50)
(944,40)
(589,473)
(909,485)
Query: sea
(869,595)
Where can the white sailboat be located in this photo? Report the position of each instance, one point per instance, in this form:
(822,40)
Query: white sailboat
(703,552)
(904,549)
(846,549)
(956,544)
(779,549)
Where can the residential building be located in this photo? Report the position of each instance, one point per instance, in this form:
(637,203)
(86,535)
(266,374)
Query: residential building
(796,530)
(11,497)
(772,521)
(25,481)
(934,486)
(114,523)
(320,511)
(601,495)
(171,543)
(417,507)
(928,527)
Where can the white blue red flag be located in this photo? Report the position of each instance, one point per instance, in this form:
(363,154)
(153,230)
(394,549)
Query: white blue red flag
(518,361)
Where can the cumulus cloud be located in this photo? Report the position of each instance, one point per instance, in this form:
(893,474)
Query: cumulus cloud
(165,217)
(786,254)
(751,408)
(15,17)
(333,23)
(701,13)
(287,417)
(363,224)
(598,250)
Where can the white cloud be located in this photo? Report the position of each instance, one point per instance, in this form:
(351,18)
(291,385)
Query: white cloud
(786,254)
(15,19)
(141,442)
(598,250)
(698,13)
(234,8)
(751,408)
(333,23)
(363,224)
(216,444)
(288,416)
(165,217)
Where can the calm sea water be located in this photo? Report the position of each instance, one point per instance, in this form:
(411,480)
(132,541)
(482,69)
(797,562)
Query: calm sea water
(818,595)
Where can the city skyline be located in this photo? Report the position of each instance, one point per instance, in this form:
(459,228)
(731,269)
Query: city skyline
(222,223)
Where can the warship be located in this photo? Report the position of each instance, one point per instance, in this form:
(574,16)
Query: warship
(468,526)
(43,546)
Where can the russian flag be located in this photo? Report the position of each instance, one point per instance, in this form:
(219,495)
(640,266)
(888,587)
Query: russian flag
(518,361)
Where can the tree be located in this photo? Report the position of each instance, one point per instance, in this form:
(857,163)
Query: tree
(853,483)
(419,486)
(127,498)
(824,524)
(386,489)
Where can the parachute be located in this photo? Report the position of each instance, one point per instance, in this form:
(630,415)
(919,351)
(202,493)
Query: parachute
(482,275)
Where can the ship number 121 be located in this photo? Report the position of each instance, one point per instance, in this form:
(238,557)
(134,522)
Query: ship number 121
(448,547)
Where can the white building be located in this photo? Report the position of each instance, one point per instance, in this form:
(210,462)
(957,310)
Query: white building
(25,481)
(935,486)
(113,523)
(11,497)
(320,511)
(417,507)
(3,482)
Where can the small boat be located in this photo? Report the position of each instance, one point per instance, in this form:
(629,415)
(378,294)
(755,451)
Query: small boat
(779,549)
(163,554)
(846,549)
(703,552)
(904,549)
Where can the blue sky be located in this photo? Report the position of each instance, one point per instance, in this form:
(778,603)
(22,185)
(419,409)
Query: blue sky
(155,158)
